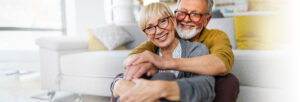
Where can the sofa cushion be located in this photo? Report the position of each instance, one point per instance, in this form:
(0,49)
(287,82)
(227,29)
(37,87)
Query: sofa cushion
(259,68)
(259,94)
(94,64)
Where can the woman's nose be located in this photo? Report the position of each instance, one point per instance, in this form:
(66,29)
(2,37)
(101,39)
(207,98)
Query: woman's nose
(158,30)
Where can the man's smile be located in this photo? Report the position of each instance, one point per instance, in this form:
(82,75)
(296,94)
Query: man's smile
(187,26)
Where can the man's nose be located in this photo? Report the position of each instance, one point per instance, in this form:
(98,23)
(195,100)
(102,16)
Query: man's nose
(187,18)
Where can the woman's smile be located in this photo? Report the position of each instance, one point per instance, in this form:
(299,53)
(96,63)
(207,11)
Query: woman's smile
(162,37)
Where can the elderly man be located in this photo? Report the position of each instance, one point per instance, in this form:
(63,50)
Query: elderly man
(192,17)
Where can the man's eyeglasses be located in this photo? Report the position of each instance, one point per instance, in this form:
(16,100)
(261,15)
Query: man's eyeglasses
(162,24)
(195,17)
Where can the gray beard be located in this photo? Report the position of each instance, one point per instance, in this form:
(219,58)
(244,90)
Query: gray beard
(187,34)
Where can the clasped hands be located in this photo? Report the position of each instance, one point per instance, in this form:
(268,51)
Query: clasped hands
(143,63)
(133,89)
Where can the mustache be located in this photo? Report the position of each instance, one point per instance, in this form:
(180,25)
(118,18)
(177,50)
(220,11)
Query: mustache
(188,24)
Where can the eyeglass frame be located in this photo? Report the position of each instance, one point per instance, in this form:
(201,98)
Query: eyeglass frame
(157,25)
(186,13)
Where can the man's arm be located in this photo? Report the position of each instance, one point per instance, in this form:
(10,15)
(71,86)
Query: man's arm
(207,64)
(197,60)
(218,62)
(219,44)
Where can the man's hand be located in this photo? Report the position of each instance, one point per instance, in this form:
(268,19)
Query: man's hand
(138,64)
(143,91)
(136,71)
(148,56)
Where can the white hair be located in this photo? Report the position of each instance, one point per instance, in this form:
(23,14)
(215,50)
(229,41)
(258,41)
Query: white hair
(159,9)
(210,4)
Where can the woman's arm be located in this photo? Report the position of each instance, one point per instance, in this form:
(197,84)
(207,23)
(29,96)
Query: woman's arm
(200,88)
(193,89)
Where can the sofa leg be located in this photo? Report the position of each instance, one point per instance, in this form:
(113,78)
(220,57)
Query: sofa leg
(51,95)
(79,98)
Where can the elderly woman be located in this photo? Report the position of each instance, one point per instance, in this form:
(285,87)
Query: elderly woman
(158,23)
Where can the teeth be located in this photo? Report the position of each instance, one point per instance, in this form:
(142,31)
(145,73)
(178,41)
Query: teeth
(163,37)
(188,25)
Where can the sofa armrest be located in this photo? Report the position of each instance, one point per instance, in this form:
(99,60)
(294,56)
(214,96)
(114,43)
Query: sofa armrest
(62,43)
(51,50)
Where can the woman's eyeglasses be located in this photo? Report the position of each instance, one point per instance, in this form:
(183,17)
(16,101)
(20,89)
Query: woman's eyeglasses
(162,24)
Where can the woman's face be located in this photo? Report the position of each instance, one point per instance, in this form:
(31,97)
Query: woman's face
(160,30)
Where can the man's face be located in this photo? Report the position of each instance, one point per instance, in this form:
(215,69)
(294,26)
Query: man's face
(188,28)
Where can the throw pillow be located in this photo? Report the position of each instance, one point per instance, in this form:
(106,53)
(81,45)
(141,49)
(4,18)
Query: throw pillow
(95,44)
(255,32)
(112,36)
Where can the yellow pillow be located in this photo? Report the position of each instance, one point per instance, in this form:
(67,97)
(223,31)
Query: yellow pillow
(255,32)
(95,44)
(264,5)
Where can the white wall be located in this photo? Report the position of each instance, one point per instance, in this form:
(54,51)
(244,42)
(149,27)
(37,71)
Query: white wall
(84,14)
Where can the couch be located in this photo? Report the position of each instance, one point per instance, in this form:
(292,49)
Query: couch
(68,65)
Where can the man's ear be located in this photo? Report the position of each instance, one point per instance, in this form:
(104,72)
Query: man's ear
(174,21)
(208,17)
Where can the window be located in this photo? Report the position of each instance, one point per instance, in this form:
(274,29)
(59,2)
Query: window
(22,21)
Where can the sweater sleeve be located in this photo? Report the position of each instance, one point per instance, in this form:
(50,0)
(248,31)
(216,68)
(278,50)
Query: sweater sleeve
(197,49)
(219,44)
(199,88)
(193,87)
(112,85)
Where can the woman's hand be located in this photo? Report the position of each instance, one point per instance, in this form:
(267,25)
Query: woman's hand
(143,91)
(151,91)
(121,86)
